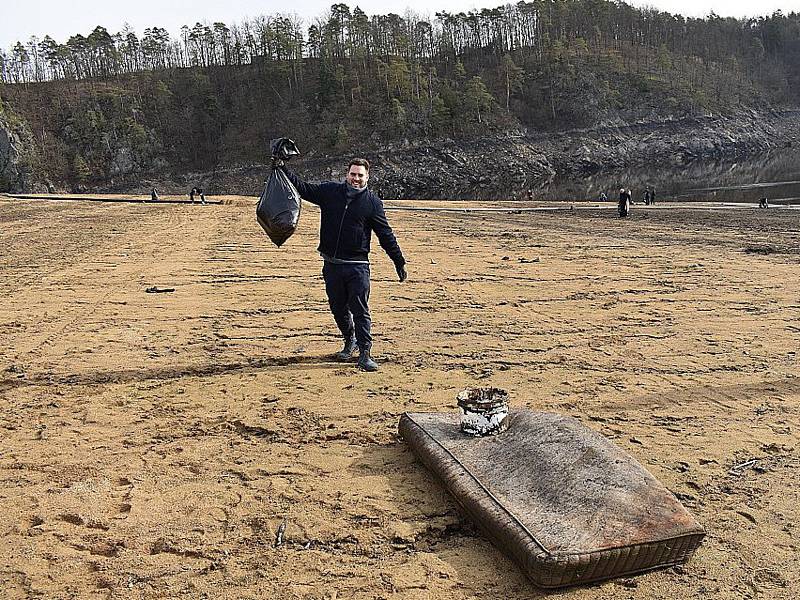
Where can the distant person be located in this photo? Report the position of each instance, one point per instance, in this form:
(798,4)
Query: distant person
(646,196)
(202,195)
(349,214)
(652,195)
(624,203)
(154,195)
(192,195)
(603,197)
(763,203)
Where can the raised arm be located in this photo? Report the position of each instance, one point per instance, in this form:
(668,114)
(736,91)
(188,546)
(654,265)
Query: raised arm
(308,191)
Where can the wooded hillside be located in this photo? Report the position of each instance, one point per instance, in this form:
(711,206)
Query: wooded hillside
(107,105)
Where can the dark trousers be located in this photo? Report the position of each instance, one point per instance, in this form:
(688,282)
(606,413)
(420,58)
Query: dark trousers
(347,287)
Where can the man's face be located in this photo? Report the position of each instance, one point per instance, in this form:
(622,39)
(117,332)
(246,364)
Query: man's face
(357,176)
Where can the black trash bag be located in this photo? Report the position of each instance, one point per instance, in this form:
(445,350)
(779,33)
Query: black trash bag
(278,209)
(283,148)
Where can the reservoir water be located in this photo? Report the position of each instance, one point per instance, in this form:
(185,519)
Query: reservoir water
(775,176)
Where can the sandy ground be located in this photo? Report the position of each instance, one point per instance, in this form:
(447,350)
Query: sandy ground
(154,445)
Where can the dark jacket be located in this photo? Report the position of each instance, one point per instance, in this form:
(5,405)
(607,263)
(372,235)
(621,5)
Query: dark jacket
(346,224)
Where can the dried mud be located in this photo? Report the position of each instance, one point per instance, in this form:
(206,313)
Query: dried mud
(202,443)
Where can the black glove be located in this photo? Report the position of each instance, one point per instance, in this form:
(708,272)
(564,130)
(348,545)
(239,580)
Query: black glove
(401,271)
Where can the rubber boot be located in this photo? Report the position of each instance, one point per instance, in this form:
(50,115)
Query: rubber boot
(365,363)
(349,349)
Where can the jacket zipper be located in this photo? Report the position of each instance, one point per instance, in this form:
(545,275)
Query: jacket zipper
(341,223)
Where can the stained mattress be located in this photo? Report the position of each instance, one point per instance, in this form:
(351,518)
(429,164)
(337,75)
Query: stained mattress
(563,502)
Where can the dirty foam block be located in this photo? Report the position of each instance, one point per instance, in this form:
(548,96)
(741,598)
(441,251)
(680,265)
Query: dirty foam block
(563,502)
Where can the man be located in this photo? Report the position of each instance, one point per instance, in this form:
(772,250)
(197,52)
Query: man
(349,215)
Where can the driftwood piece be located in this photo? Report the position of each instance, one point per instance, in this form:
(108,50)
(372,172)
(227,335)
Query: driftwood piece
(563,502)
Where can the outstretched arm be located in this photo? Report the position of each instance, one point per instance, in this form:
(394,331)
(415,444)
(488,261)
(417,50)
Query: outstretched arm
(308,191)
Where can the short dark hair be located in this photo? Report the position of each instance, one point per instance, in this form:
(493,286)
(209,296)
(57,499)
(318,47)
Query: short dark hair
(360,162)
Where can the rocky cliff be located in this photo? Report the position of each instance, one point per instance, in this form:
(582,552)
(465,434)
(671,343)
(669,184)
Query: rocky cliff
(15,147)
(670,142)
(508,165)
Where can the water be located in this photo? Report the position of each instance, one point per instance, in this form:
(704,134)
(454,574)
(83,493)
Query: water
(775,176)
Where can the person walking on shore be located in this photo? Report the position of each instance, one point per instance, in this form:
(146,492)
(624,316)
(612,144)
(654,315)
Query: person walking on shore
(624,205)
(349,214)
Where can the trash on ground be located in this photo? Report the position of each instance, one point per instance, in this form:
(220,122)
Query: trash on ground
(561,500)
(279,535)
(484,410)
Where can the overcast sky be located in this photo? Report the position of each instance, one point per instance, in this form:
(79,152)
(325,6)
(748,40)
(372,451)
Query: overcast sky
(62,18)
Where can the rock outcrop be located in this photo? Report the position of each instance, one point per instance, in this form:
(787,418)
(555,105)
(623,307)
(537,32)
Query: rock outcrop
(669,142)
(492,167)
(14,145)
(506,166)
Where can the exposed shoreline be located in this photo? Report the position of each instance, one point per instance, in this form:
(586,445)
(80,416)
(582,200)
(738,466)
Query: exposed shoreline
(162,444)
